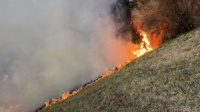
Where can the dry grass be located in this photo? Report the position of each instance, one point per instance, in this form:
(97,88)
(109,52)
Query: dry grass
(167,79)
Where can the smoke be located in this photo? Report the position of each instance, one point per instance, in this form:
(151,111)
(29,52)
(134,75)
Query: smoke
(168,18)
(50,46)
(121,14)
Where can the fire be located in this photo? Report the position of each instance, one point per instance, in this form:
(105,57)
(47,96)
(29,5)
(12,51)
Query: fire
(65,95)
(135,51)
(5,78)
(17,106)
(145,46)
(47,103)
(11,107)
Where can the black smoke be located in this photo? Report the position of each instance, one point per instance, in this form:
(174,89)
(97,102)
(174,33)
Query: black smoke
(121,15)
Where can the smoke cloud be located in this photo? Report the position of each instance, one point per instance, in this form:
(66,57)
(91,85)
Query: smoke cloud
(53,45)
(167,18)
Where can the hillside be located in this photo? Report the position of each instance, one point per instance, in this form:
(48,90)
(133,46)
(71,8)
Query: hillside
(167,79)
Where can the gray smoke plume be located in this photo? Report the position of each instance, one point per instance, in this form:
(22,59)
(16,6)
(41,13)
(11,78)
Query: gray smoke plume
(53,45)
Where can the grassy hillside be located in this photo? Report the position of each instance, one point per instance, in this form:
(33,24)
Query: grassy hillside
(167,79)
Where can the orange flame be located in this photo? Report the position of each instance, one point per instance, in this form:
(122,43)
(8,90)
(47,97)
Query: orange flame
(154,36)
(65,95)
(135,52)
(145,46)
(5,78)
(17,106)
(47,103)
(14,106)
(11,107)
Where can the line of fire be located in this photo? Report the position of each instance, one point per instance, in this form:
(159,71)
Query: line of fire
(142,42)
(135,51)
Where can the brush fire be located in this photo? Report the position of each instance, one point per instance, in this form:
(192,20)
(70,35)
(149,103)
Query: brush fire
(135,51)
(50,46)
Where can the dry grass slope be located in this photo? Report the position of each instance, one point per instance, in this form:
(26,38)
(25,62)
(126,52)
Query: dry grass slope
(167,79)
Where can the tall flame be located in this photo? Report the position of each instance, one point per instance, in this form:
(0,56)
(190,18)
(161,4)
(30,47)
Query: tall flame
(145,46)
(135,52)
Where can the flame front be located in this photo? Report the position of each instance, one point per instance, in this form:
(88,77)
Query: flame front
(135,52)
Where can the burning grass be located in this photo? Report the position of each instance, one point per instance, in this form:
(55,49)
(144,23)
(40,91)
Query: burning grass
(135,51)
(155,22)
(166,79)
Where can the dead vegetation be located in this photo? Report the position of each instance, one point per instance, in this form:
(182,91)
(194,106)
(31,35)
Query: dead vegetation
(174,16)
